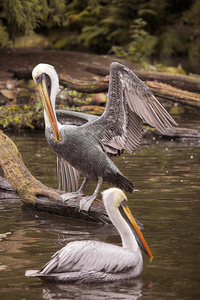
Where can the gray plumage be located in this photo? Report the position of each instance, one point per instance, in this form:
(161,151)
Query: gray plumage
(67,175)
(84,147)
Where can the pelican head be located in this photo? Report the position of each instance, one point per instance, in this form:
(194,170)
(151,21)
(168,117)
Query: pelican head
(47,81)
(116,205)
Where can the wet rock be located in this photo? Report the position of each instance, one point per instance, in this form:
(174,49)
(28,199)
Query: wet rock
(9,94)
(10,84)
(99,98)
(3,100)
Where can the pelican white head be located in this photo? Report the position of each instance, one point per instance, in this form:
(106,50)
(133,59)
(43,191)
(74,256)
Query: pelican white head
(47,81)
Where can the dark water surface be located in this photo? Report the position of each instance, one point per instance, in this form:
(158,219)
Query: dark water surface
(167,201)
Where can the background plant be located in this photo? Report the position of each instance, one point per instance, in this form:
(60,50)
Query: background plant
(137,29)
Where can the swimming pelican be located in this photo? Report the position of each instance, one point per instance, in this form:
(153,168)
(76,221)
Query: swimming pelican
(84,147)
(95,261)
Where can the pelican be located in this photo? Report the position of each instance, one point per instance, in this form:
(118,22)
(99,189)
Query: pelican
(95,261)
(84,148)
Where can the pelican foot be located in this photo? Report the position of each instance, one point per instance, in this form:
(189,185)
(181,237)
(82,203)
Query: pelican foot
(86,202)
(68,196)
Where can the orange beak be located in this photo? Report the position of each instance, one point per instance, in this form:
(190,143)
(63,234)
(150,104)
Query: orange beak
(49,110)
(140,239)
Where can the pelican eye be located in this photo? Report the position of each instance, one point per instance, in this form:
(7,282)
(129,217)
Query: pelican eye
(124,202)
(38,79)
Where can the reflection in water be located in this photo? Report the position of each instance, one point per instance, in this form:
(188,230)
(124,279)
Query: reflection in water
(166,176)
(102,291)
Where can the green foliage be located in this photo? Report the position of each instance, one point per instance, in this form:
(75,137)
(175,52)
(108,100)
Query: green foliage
(141,46)
(4,37)
(23,17)
(136,29)
(26,116)
(190,24)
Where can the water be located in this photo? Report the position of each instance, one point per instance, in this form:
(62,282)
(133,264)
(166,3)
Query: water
(167,201)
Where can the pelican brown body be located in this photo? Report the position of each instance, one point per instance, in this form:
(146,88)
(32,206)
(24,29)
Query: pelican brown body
(84,148)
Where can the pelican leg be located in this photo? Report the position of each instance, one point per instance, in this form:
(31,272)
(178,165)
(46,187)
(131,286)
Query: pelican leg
(68,196)
(86,202)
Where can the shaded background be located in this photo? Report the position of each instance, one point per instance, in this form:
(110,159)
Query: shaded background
(160,31)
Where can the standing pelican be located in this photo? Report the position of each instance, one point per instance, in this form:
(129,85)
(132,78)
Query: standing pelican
(84,147)
(95,261)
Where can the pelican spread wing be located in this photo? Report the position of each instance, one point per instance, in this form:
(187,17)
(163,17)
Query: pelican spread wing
(130,101)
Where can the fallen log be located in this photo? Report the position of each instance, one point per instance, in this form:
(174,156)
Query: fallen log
(171,89)
(185,82)
(160,90)
(167,92)
(34,194)
(85,86)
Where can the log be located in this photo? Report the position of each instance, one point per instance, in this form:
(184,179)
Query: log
(160,90)
(185,82)
(25,73)
(178,132)
(167,92)
(85,86)
(34,194)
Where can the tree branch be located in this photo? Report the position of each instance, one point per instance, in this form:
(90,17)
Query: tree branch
(34,194)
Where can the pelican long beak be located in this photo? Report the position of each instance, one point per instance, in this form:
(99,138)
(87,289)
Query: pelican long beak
(126,213)
(48,108)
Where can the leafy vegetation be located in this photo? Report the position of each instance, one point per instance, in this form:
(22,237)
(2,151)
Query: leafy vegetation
(31,115)
(26,116)
(137,29)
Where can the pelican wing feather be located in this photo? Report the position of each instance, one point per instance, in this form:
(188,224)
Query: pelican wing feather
(66,117)
(130,102)
(68,176)
(91,256)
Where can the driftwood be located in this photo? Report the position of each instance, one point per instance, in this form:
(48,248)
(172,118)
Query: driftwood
(169,87)
(178,132)
(185,82)
(167,92)
(34,194)
(85,86)
(160,90)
